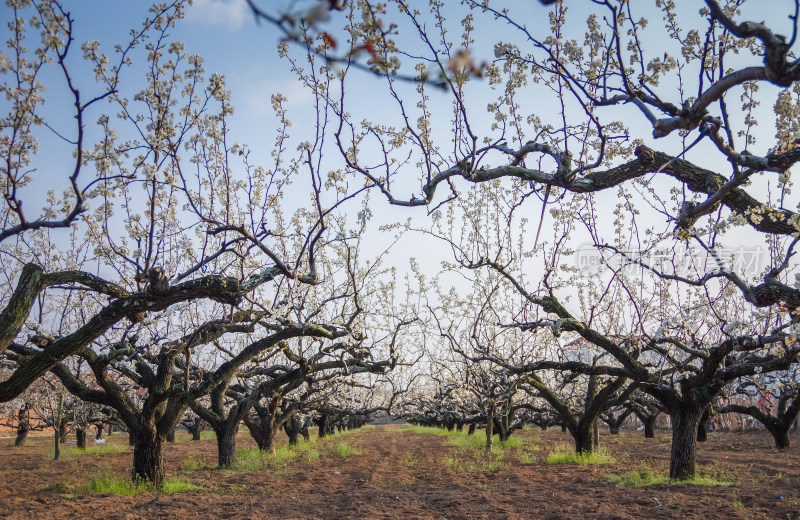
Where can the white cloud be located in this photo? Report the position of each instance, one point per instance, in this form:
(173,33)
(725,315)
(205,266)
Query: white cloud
(230,13)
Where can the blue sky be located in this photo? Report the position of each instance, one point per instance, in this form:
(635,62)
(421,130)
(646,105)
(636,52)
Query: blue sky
(226,35)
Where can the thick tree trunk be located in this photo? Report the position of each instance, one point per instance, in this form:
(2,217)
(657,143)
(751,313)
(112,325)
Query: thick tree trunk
(171,435)
(613,428)
(649,426)
(584,438)
(148,457)
(197,429)
(684,444)
(471,429)
(63,431)
(226,445)
(292,428)
(80,437)
(459,426)
(781,435)
(323,426)
(99,433)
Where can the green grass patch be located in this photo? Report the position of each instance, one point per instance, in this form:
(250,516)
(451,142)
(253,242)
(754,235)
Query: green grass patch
(178,485)
(311,454)
(343,450)
(191,465)
(105,483)
(645,479)
(565,455)
(526,457)
(474,461)
(91,449)
(251,459)
(462,439)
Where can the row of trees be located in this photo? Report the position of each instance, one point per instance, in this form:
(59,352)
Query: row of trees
(173,271)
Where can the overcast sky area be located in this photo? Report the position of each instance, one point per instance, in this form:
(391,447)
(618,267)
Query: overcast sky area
(226,34)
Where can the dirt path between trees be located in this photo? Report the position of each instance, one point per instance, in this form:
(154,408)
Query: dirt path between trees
(399,474)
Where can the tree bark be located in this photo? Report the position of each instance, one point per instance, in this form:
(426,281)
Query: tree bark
(226,445)
(781,436)
(292,427)
(171,435)
(471,429)
(323,426)
(684,443)
(649,422)
(197,429)
(22,434)
(148,457)
(57,420)
(99,434)
(80,437)
(702,428)
(584,440)
(489,427)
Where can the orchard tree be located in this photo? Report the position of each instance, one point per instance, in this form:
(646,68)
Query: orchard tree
(189,261)
(777,402)
(616,114)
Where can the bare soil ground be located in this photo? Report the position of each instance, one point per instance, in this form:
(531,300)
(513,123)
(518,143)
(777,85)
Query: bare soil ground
(400,474)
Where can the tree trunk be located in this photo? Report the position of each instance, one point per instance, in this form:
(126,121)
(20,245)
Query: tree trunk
(80,437)
(489,427)
(99,434)
(459,426)
(197,429)
(22,433)
(171,435)
(226,445)
(292,428)
(583,440)
(323,426)
(781,435)
(613,428)
(148,457)
(57,420)
(63,431)
(702,428)
(684,444)
(649,426)
(57,445)
(471,429)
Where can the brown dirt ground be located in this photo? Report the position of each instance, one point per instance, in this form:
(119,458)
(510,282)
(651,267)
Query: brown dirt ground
(404,475)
